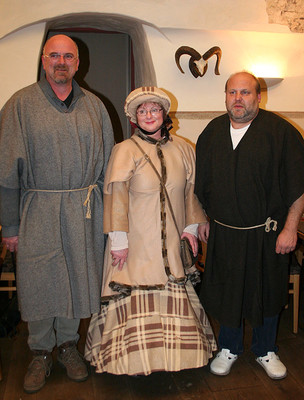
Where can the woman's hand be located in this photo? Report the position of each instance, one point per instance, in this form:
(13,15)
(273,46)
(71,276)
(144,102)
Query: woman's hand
(119,257)
(192,240)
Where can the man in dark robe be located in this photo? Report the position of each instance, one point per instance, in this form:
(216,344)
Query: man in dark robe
(250,181)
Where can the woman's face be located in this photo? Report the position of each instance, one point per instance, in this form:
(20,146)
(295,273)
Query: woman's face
(150,117)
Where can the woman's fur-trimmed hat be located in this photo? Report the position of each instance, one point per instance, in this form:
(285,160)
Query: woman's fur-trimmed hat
(145,94)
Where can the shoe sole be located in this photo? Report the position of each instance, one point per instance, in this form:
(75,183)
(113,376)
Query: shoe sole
(269,374)
(220,374)
(32,390)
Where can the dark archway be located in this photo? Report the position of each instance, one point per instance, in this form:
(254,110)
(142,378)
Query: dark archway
(144,73)
(121,58)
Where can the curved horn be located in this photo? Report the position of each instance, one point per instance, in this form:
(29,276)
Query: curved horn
(214,50)
(186,50)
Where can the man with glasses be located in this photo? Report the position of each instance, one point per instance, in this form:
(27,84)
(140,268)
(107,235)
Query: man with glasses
(55,141)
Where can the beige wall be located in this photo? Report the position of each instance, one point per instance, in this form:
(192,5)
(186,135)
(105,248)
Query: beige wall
(245,15)
(240,28)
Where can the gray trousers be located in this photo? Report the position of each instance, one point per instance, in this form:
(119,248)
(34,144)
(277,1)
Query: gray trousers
(51,332)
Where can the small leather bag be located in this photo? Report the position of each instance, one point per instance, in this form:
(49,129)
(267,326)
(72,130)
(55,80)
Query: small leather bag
(187,256)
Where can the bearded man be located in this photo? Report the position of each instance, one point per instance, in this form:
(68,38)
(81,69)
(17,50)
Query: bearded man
(55,141)
(250,181)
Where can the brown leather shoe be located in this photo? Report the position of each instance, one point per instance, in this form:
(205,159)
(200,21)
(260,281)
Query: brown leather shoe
(38,370)
(72,360)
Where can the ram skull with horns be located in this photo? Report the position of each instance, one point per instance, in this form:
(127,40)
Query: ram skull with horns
(198,64)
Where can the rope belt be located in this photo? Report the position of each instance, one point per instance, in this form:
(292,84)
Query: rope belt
(267,225)
(87,202)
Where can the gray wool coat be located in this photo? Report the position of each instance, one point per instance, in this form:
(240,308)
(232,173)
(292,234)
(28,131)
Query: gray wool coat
(50,155)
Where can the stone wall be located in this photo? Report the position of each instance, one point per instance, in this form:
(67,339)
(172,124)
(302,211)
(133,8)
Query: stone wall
(286,12)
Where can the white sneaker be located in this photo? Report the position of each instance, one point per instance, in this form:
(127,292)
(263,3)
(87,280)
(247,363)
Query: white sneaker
(222,363)
(271,363)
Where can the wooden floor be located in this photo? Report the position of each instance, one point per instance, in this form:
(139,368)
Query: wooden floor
(247,379)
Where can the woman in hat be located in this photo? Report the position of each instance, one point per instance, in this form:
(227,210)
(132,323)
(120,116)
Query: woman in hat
(150,318)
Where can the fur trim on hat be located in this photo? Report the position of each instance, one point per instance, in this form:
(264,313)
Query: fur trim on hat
(145,94)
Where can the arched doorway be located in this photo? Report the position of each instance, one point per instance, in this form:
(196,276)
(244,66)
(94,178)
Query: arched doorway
(114,59)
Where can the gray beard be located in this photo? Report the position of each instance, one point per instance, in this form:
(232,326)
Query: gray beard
(61,81)
(247,117)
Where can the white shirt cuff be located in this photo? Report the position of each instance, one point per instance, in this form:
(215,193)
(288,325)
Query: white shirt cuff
(192,229)
(119,240)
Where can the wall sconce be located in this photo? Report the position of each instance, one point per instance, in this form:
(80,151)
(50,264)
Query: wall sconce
(266,83)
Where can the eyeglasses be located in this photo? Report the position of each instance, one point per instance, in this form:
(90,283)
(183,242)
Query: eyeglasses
(154,111)
(68,57)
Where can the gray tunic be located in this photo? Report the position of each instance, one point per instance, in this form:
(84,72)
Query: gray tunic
(48,153)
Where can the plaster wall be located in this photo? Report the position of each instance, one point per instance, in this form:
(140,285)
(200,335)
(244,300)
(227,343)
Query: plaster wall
(245,15)
(20,57)
(240,28)
(277,55)
(198,100)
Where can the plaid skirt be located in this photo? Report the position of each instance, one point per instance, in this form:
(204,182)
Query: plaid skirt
(149,331)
